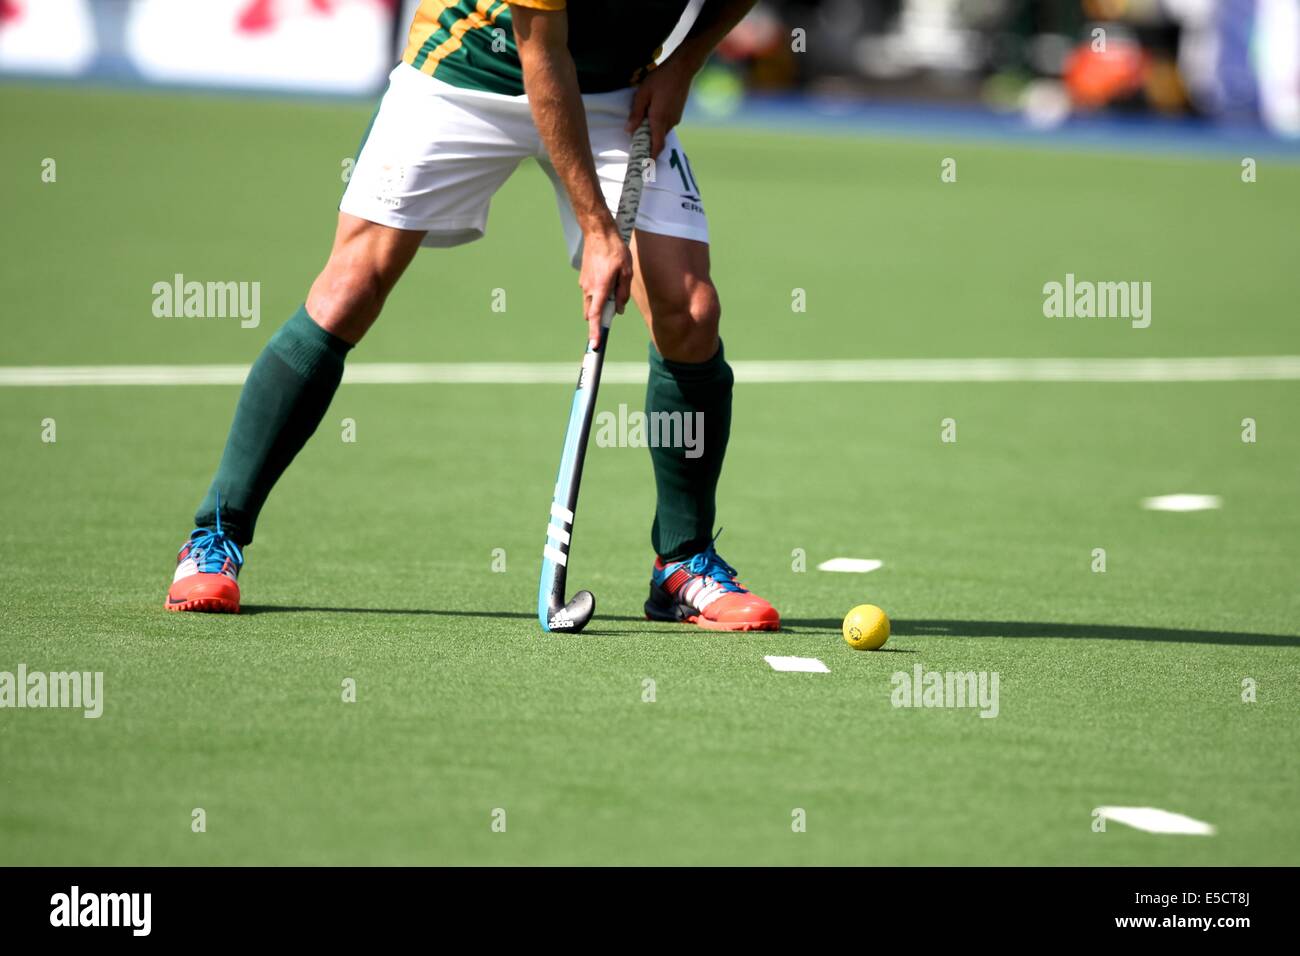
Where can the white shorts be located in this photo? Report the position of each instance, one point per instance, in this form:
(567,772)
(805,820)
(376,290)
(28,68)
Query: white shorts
(437,153)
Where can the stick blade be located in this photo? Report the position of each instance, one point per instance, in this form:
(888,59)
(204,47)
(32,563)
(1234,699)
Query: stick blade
(575,615)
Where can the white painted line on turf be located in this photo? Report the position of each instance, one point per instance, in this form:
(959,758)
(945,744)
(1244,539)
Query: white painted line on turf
(40,375)
(1182,502)
(1155,820)
(1213,369)
(805,665)
(851,565)
(1209,369)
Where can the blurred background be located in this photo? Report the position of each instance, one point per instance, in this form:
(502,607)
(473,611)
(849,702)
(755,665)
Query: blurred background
(1208,65)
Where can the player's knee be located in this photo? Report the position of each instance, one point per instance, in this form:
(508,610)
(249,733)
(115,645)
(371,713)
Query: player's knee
(688,332)
(346,299)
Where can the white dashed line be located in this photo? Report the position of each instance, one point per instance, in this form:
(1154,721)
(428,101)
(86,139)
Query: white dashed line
(1182,502)
(806,665)
(1155,820)
(852,565)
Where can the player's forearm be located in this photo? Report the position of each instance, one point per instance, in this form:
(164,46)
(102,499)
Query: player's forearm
(716,19)
(551,82)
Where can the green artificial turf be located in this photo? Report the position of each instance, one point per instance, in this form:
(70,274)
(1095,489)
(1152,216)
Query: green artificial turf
(374,559)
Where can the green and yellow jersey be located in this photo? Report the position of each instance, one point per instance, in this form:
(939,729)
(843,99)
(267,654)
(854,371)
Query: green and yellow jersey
(471,43)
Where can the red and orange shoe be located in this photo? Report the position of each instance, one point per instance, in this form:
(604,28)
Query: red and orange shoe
(207,574)
(702,590)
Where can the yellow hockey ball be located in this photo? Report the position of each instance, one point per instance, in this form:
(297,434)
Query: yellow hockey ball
(866,628)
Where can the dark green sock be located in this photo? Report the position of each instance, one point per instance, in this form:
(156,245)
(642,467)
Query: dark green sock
(285,397)
(687,485)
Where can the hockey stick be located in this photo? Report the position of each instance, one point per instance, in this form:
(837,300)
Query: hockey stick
(552,611)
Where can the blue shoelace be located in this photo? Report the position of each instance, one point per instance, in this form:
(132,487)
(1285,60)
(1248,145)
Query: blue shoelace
(211,547)
(709,563)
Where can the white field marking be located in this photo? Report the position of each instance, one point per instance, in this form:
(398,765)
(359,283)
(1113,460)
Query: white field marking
(555,555)
(1182,502)
(806,665)
(1211,369)
(859,565)
(1155,820)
